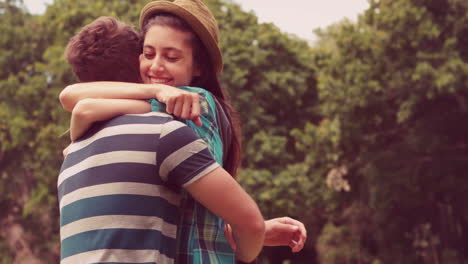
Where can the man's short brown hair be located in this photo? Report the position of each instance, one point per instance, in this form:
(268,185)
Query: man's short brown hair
(105,50)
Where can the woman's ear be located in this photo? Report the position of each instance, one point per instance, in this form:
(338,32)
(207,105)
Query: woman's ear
(196,70)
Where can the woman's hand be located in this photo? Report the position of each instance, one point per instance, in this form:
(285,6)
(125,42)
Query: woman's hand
(285,231)
(282,231)
(180,103)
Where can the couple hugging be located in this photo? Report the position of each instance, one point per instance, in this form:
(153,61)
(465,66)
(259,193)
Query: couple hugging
(149,176)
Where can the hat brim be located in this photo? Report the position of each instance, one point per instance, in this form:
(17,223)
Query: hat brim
(211,45)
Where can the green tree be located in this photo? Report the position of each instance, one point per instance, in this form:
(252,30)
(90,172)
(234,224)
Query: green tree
(33,72)
(395,83)
(27,131)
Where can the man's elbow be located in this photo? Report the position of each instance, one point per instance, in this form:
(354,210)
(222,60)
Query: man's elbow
(257,225)
(249,238)
(253,223)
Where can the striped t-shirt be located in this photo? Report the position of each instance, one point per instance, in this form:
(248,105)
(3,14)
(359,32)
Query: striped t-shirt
(119,189)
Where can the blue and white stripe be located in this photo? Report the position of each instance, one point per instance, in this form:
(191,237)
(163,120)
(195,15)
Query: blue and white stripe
(119,189)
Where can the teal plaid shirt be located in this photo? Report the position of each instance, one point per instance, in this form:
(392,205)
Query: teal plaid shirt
(200,233)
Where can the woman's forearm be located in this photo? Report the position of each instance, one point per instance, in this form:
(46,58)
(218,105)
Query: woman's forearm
(88,111)
(70,96)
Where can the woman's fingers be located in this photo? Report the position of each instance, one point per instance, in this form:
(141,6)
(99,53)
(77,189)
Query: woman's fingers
(195,110)
(285,231)
(185,105)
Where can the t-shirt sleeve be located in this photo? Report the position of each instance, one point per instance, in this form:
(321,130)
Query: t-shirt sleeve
(182,157)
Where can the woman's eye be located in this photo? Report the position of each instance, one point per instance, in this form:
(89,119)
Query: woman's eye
(171,58)
(148,55)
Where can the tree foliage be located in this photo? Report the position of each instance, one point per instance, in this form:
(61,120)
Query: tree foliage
(395,82)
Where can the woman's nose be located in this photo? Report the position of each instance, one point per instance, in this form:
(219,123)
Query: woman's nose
(157,65)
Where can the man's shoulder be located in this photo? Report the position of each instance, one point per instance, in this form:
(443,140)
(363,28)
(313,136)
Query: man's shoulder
(135,132)
(149,117)
(129,123)
(160,123)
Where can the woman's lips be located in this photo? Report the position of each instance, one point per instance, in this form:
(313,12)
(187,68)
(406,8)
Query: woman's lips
(159,80)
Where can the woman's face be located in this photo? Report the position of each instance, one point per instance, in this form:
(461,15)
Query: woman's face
(167,57)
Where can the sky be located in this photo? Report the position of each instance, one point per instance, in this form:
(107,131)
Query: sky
(299,17)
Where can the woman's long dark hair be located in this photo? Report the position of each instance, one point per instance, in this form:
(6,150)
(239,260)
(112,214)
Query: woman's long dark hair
(208,80)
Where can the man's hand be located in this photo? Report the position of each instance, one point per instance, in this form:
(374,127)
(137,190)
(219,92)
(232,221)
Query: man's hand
(285,231)
(282,231)
(180,103)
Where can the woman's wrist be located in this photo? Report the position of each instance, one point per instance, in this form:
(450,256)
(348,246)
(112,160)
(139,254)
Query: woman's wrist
(156,90)
(150,90)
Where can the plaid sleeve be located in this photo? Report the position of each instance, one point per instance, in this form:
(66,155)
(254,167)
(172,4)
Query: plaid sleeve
(209,131)
(157,106)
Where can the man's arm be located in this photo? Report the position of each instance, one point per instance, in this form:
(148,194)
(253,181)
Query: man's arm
(88,111)
(222,195)
(184,159)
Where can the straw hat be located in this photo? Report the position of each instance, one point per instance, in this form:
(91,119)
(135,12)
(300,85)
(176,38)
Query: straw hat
(197,15)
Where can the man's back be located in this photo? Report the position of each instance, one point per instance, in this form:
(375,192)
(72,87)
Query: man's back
(119,189)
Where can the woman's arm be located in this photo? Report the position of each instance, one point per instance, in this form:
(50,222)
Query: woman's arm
(72,94)
(182,104)
(87,111)
(281,231)
(222,195)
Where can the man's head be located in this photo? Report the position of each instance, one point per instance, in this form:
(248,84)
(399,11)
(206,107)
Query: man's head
(105,50)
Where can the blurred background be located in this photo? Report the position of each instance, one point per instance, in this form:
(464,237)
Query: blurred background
(360,131)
